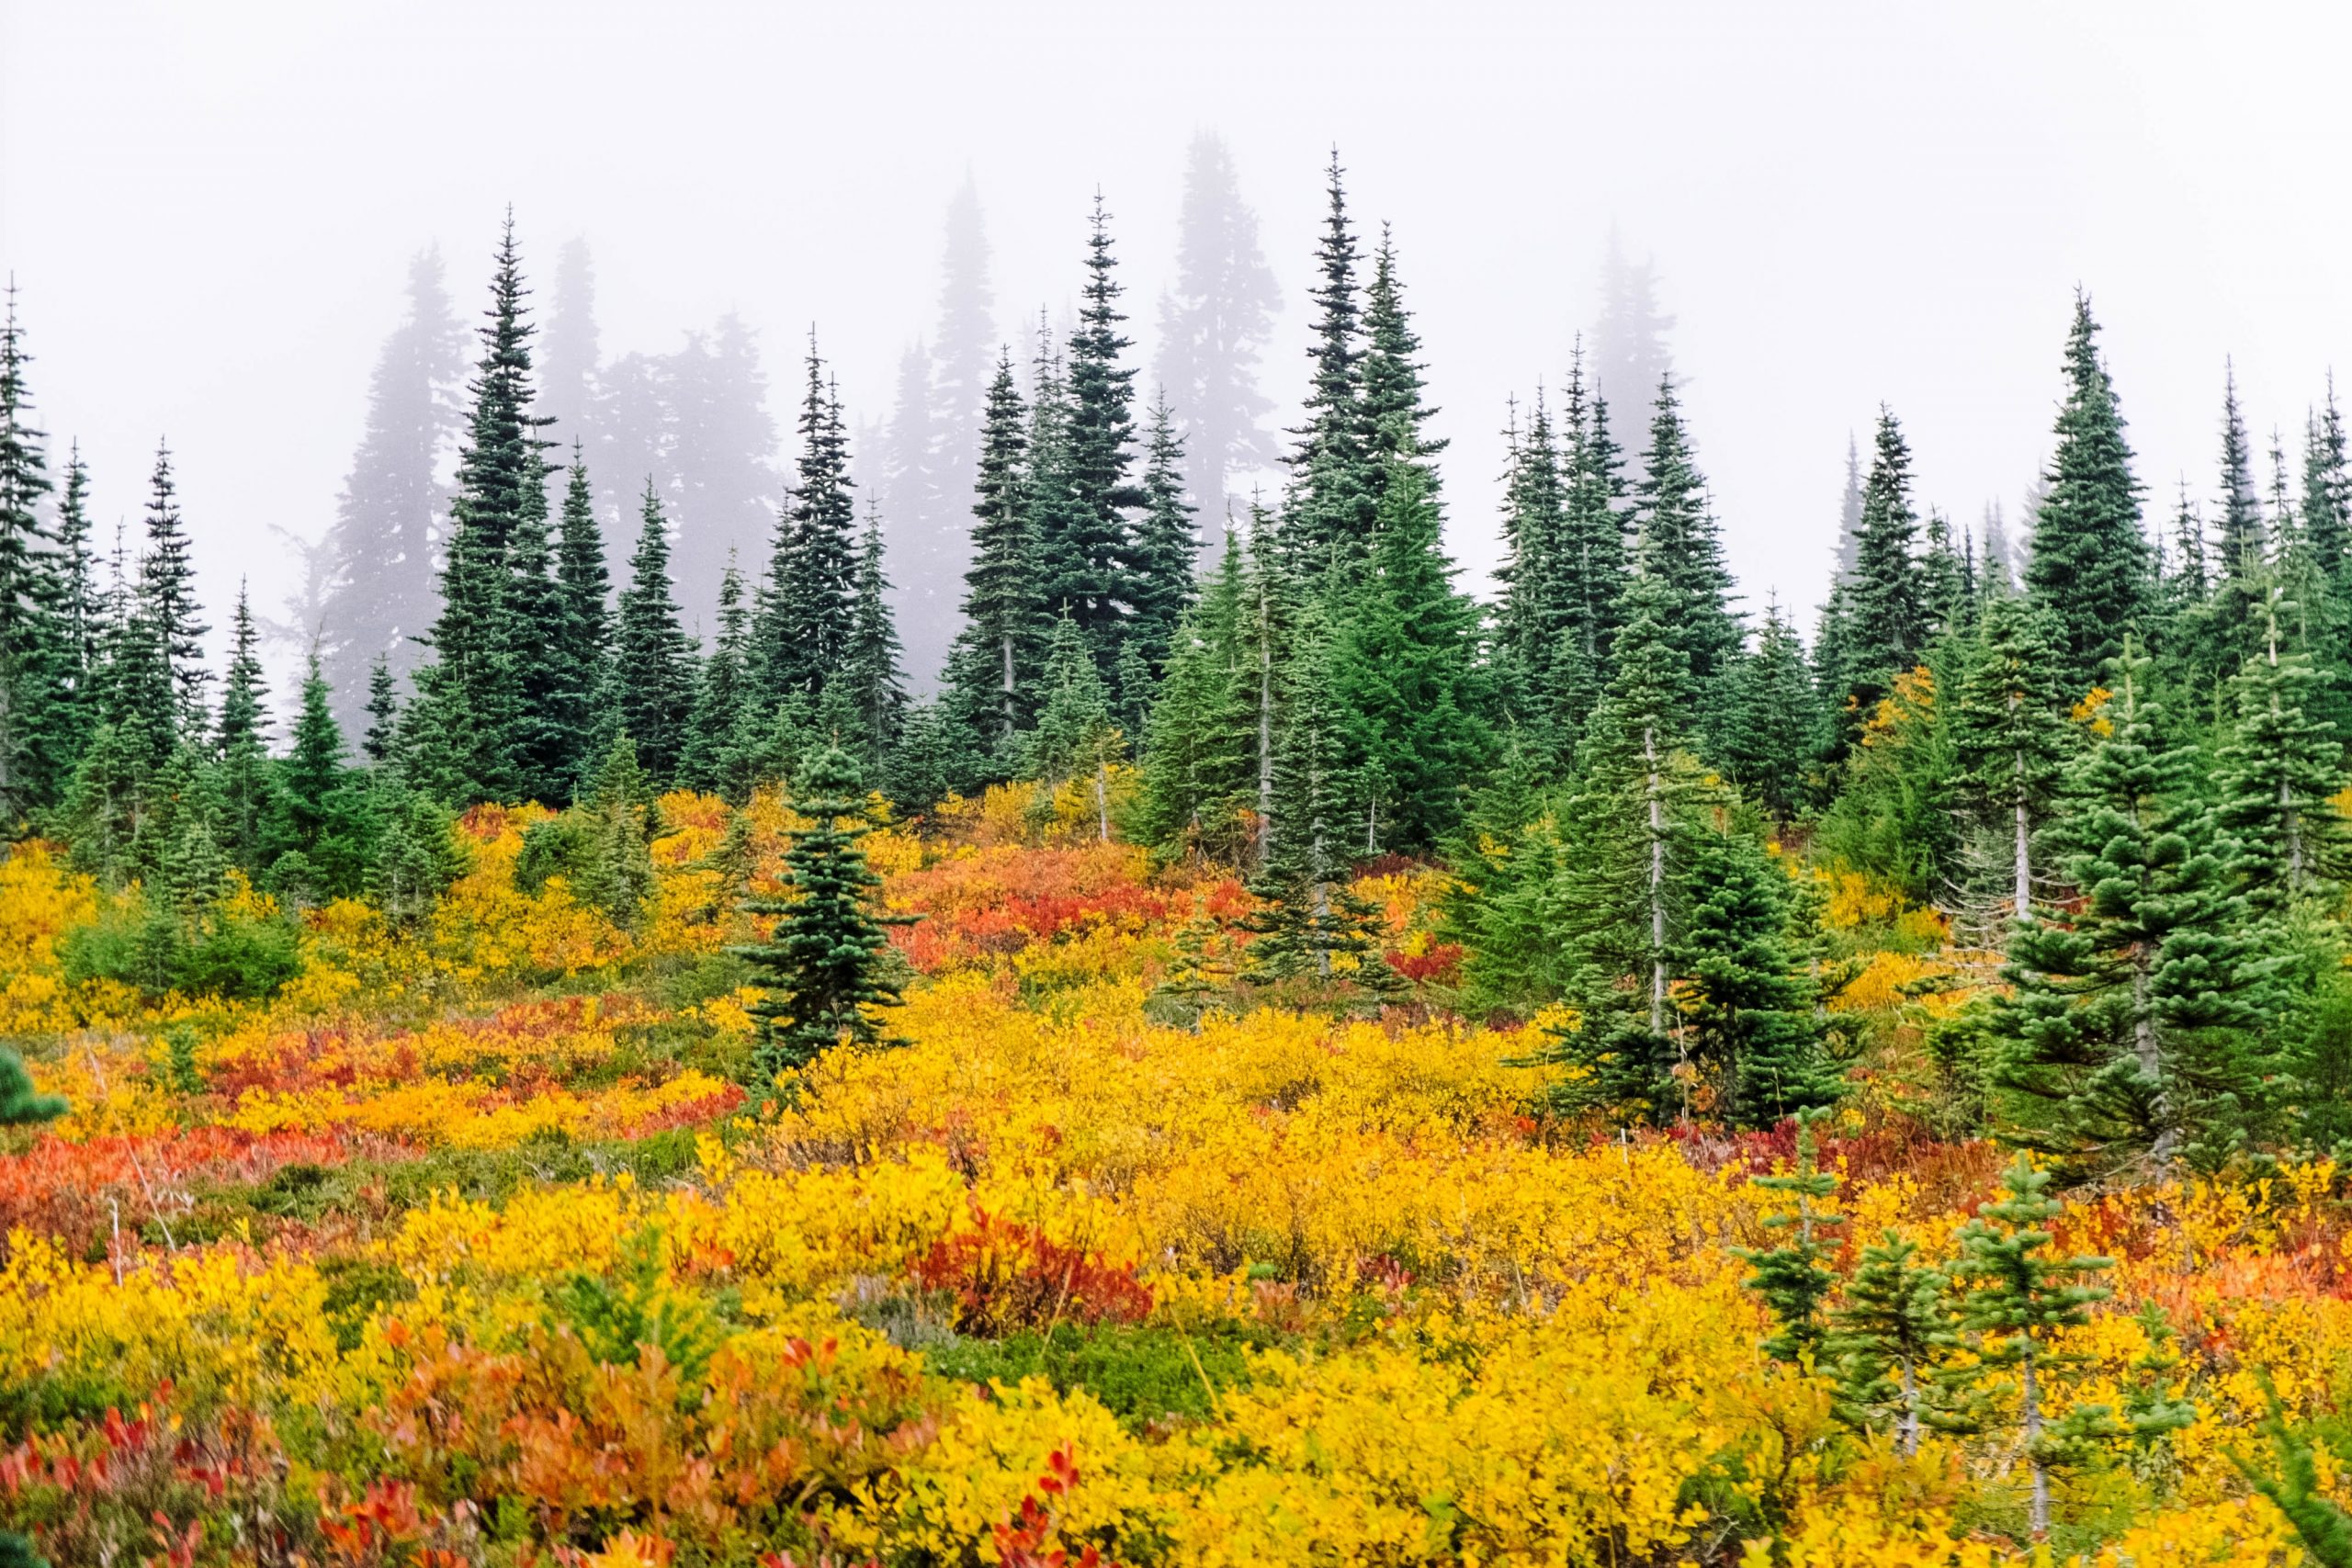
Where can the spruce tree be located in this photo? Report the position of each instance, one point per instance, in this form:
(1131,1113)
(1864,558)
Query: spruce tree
(1892,1336)
(1751,1013)
(870,672)
(383,715)
(802,627)
(721,694)
(80,610)
(2279,767)
(1794,1278)
(547,740)
(2327,496)
(2089,569)
(2136,1025)
(167,592)
(2243,534)
(416,856)
(1162,547)
(240,742)
(2019,1299)
(1679,542)
(28,641)
(823,966)
(2010,736)
(581,625)
(1076,734)
(319,835)
(1773,715)
(1393,408)
(1332,483)
(1546,687)
(1083,555)
(1199,762)
(649,688)
(1593,563)
(1214,322)
(1883,598)
(1407,674)
(996,654)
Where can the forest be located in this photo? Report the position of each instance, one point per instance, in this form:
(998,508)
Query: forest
(1179,1035)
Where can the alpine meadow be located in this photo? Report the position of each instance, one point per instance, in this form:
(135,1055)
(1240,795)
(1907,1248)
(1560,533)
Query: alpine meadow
(1041,976)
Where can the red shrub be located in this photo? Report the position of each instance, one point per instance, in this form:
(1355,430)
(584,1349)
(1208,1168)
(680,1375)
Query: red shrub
(1007,1276)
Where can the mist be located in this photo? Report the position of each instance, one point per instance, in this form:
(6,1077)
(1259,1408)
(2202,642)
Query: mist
(211,215)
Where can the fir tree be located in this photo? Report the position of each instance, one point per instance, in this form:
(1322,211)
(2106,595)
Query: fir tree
(2278,768)
(28,643)
(2089,569)
(1199,765)
(80,611)
(2135,1024)
(1082,557)
(1896,1327)
(1883,598)
(1546,684)
(651,687)
(1407,674)
(1076,734)
(1213,324)
(2327,496)
(417,856)
(2010,736)
(720,695)
(996,654)
(1393,408)
(1681,544)
(548,734)
(870,672)
(803,624)
(1774,713)
(2019,1299)
(1750,1013)
(383,715)
(167,594)
(241,745)
(580,627)
(1793,1278)
(823,967)
(2243,542)
(1162,547)
(1332,484)
(318,827)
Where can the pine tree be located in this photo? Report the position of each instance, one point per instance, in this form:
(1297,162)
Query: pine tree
(720,696)
(167,592)
(1679,543)
(1774,713)
(2135,1025)
(870,672)
(2089,569)
(1332,483)
(246,784)
(1407,674)
(651,687)
(378,595)
(1896,1327)
(1162,546)
(29,646)
(1213,325)
(823,968)
(1749,1011)
(2010,736)
(2278,768)
(803,624)
(1002,611)
(2019,1299)
(1793,1278)
(1082,555)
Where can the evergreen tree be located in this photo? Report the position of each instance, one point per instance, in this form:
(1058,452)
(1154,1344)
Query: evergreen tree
(1774,712)
(318,833)
(1532,639)
(379,596)
(80,611)
(870,672)
(1076,734)
(650,686)
(1407,676)
(1629,349)
(1883,598)
(547,741)
(1897,1326)
(578,628)
(1679,543)
(805,618)
(383,715)
(1002,611)
(2244,542)
(2279,767)
(1947,581)
(2327,496)
(1163,546)
(823,968)
(1083,554)
(1199,765)
(2136,1025)
(242,746)
(721,695)
(1332,484)
(2010,736)
(29,644)
(2089,567)
(2019,1299)
(571,351)
(417,856)
(1752,1014)
(1793,1278)
(1593,564)
(167,594)
(1849,515)
(1393,408)
(1213,325)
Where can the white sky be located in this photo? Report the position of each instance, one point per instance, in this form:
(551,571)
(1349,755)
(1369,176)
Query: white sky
(210,208)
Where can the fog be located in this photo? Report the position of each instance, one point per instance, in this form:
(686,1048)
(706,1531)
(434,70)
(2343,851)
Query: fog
(210,211)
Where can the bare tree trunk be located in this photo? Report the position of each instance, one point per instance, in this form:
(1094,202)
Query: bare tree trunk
(1908,1431)
(2024,846)
(2147,1051)
(1265,734)
(1007,646)
(1657,881)
(1102,799)
(2038,1517)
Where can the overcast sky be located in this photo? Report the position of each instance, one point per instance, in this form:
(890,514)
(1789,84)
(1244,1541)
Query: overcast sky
(209,209)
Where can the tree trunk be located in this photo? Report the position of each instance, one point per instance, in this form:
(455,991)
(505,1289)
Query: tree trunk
(1007,646)
(2038,1516)
(1909,1431)
(1657,881)
(1265,735)
(2024,846)
(1102,799)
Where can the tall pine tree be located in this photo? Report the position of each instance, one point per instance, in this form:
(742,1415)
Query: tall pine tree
(650,688)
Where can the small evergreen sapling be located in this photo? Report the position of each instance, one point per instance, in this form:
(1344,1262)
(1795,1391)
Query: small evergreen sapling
(1794,1279)
(1893,1332)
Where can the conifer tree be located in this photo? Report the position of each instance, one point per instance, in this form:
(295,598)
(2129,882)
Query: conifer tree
(823,967)
(1199,762)
(2327,496)
(1890,1337)
(803,624)
(1679,543)
(27,643)
(2010,737)
(2019,1299)
(996,654)
(415,857)
(870,672)
(383,715)
(1774,713)
(2243,542)
(1947,581)
(1163,547)
(2136,1025)
(720,695)
(1083,554)
(317,834)
(1547,684)
(1883,598)
(1406,675)
(2279,767)
(1213,324)
(167,592)
(1751,1013)
(1393,411)
(1593,563)
(1333,485)
(650,688)
(80,611)
(2089,569)
(1076,735)
(547,740)
(1793,1278)
(580,627)
(246,785)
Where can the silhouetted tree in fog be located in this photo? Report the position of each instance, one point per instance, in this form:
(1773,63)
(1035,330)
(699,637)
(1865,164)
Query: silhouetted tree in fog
(1629,352)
